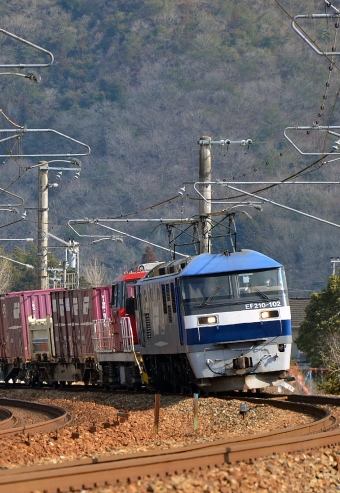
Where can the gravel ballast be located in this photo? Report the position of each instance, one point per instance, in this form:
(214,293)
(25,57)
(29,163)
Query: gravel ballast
(92,433)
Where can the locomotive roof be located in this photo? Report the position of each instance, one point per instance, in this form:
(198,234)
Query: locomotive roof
(242,261)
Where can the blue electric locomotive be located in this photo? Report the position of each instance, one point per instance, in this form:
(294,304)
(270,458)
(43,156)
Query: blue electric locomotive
(215,322)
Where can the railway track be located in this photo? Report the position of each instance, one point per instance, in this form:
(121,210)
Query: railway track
(10,424)
(87,473)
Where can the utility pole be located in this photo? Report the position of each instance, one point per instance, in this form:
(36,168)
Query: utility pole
(204,227)
(42,224)
(334,261)
(43,234)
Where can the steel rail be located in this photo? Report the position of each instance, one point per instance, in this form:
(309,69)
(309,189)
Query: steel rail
(87,473)
(7,420)
(59,417)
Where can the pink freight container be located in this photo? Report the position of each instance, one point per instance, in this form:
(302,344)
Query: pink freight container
(72,321)
(3,332)
(86,321)
(59,326)
(16,341)
(37,305)
(101,302)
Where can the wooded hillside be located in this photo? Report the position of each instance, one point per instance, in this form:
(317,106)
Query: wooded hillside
(140,81)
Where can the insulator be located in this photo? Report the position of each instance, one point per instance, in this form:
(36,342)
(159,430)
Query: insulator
(330,67)
(322,107)
(333,48)
(336,25)
(255,169)
(324,96)
(281,153)
(308,132)
(267,162)
(327,84)
(319,114)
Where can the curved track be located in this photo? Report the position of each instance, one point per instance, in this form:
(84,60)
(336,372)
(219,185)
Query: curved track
(323,430)
(8,424)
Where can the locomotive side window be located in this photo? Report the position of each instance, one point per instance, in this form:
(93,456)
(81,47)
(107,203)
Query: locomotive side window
(130,298)
(173,300)
(165,307)
(116,289)
(130,290)
(114,296)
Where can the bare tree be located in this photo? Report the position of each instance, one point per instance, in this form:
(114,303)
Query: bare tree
(331,353)
(5,275)
(149,255)
(95,272)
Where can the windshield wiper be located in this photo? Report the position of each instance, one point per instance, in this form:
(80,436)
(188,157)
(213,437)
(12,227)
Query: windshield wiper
(264,295)
(210,297)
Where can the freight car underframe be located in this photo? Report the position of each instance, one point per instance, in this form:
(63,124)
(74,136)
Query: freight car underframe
(119,371)
(50,372)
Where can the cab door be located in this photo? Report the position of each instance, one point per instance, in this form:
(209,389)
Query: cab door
(117,312)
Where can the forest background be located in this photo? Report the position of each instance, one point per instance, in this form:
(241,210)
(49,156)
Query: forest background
(140,81)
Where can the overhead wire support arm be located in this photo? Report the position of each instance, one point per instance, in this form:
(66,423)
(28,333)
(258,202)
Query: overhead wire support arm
(13,195)
(320,128)
(306,38)
(67,243)
(29,266)
(32,45)
(30,75)
(20,132)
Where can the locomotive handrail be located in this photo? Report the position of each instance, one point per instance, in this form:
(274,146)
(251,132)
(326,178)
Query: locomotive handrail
(99,326)
(128,345)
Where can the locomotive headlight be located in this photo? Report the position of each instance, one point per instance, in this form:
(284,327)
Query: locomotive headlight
(269,314)
(210,320)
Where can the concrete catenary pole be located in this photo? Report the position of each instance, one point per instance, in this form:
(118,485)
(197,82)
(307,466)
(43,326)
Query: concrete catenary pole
(205,190)
(42,224)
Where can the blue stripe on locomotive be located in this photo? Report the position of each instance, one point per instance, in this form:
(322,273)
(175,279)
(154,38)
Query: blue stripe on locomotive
(238,332)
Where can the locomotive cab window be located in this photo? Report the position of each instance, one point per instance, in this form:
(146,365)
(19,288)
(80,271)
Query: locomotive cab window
(201,291)
(261,283)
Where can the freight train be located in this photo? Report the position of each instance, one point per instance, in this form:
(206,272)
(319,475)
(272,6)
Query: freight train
(210,323)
